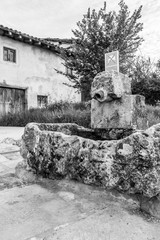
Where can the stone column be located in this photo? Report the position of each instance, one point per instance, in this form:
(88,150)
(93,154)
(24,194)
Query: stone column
(113,107)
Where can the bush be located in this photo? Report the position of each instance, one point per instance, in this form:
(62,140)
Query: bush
(59,112)
(146,79)
(64,112)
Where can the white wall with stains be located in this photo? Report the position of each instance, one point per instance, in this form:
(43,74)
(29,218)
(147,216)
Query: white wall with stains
(35,69)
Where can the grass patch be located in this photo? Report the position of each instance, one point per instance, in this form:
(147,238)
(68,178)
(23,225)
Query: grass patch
(59,112)
(65,112)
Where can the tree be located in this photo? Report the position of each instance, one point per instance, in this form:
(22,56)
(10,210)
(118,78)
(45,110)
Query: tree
(100,32)
(145,77)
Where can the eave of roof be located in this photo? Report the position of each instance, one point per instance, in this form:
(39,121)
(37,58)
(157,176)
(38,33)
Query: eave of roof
(61,40)
(23,37)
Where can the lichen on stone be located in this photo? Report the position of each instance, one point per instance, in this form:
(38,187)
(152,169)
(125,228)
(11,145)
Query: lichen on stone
(130,165)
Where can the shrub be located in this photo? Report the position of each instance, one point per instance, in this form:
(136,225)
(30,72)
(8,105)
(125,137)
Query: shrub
(63,112)
(59,112)
(146,79)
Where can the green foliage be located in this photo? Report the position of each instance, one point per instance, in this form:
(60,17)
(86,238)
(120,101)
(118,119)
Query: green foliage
(146,79)
(99,32)
(59,112)
(65,112)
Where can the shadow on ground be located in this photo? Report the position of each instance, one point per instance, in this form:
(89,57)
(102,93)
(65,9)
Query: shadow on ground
(64,209)
(45,209)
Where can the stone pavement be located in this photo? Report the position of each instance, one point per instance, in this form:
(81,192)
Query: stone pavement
(9,157)
(9,153)
(65,210)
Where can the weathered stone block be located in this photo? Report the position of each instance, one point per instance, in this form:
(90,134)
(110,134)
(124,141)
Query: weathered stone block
(128,112)
(108,86)
(113,106)
(150,205)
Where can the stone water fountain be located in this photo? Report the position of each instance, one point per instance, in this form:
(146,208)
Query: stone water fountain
(116,153)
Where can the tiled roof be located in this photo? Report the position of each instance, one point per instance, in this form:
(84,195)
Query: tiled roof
(60,40)
(23,37)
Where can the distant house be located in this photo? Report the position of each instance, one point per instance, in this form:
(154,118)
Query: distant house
(27,72)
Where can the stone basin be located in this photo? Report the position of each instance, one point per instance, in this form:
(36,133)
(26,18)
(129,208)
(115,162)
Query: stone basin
(130,165)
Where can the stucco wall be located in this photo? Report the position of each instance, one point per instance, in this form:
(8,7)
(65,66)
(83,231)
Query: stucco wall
(34,68)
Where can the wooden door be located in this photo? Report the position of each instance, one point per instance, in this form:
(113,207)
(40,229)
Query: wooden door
(12,100)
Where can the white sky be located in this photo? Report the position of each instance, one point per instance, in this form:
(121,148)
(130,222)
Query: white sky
(56,18)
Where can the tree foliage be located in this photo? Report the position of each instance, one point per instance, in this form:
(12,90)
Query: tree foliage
(145,77)
(99,32)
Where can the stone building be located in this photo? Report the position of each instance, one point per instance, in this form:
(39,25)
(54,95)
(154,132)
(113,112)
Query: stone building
(27,72)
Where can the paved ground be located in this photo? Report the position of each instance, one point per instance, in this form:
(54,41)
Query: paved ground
(11,132)
(9,153)
(65,210)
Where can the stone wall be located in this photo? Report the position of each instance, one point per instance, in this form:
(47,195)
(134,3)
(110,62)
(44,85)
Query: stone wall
(130,165)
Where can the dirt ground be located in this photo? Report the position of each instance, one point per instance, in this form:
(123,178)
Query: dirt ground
(65,210)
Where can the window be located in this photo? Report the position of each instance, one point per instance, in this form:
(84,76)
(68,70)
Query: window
(69,71)
(9,54)
(42,101)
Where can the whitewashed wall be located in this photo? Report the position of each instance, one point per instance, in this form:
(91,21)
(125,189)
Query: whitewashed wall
(34,69)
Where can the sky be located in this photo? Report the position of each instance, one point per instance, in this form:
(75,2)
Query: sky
(56,18)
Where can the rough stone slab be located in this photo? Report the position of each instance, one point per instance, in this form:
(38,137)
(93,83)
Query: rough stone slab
(110,85)
(130,165)
(150,205)
(129,112)
(69,129)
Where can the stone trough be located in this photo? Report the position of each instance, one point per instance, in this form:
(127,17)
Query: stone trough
(128,162)
(129,165)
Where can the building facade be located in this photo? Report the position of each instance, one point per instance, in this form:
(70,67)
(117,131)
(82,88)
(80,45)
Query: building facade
(28,76)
